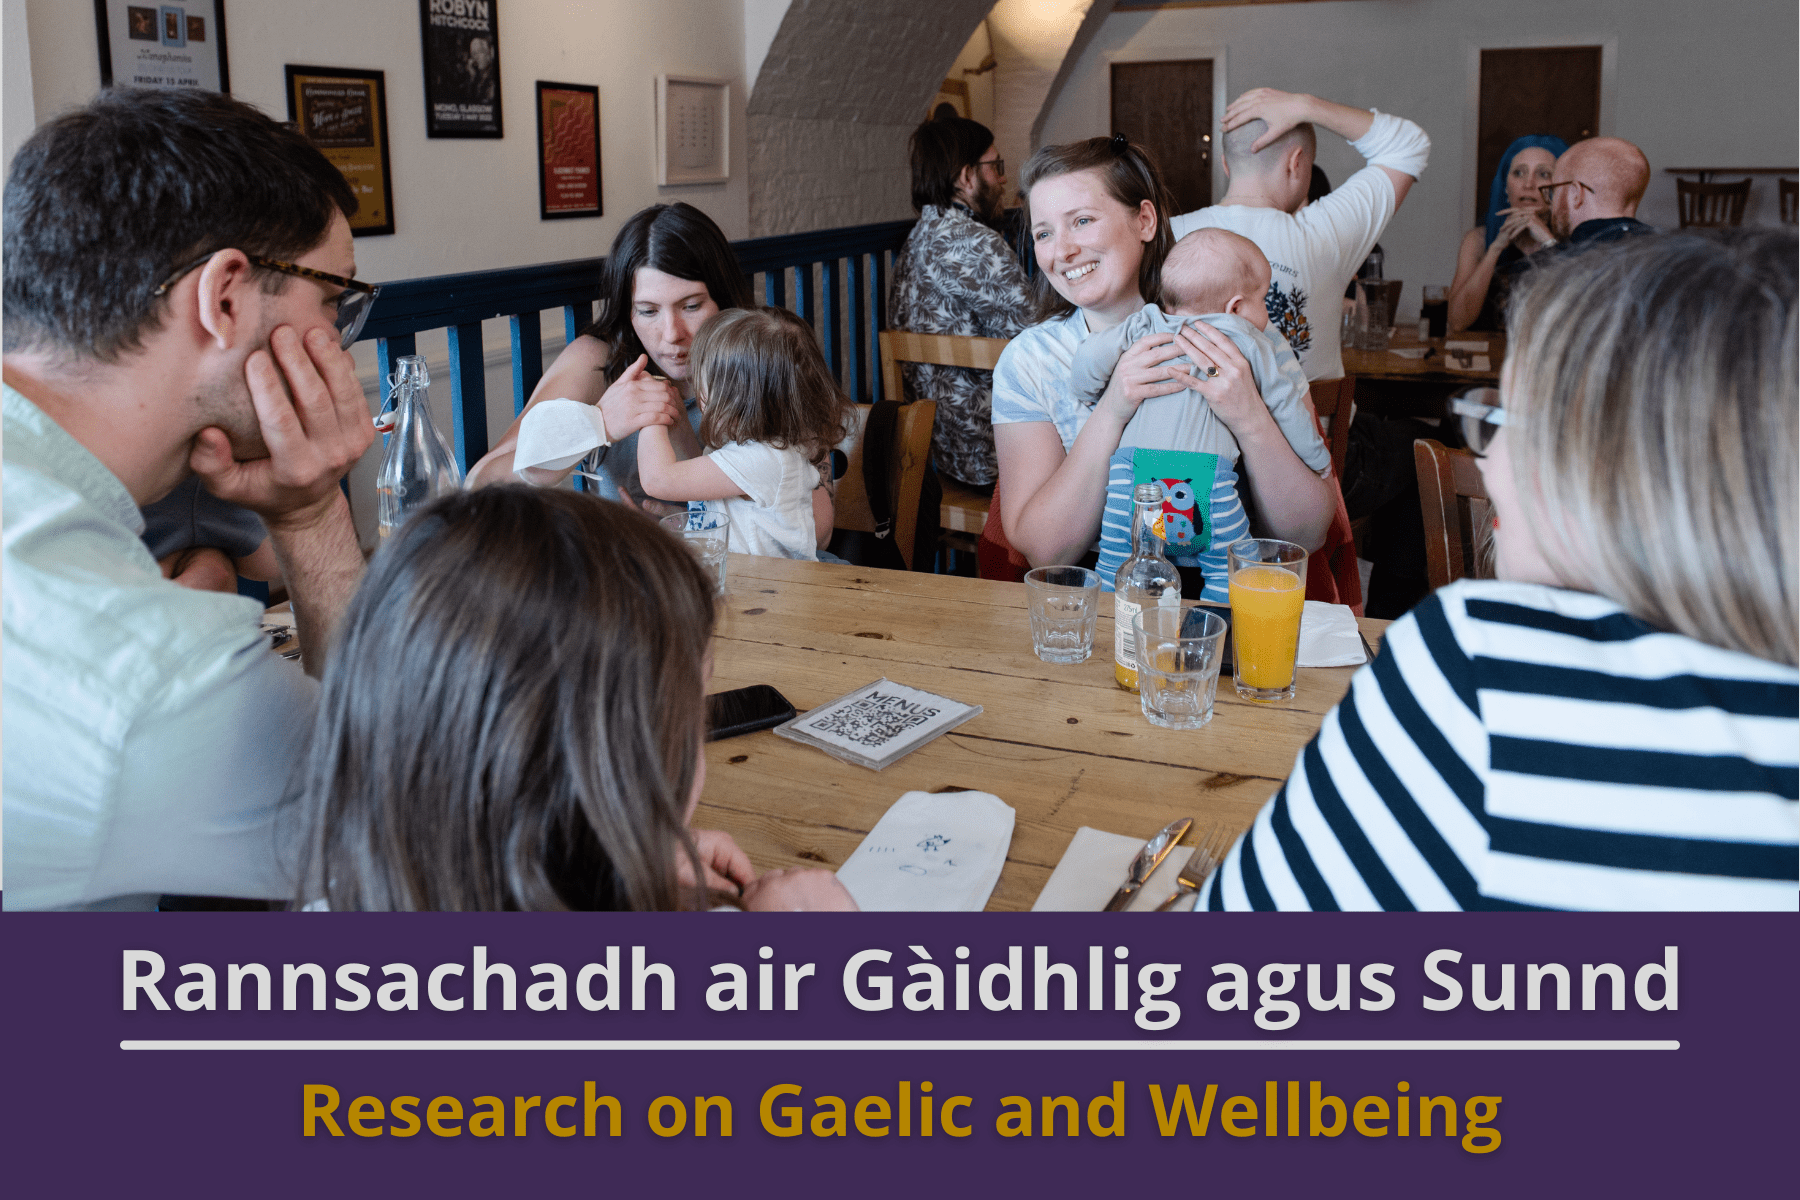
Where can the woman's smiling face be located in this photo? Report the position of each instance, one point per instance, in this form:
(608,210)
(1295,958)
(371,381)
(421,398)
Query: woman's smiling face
(1090,245)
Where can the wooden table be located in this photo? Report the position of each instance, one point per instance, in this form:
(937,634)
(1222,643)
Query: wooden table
(1391,386)
(1061,744)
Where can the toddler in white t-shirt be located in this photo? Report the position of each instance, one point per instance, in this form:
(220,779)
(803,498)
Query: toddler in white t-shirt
(771,414)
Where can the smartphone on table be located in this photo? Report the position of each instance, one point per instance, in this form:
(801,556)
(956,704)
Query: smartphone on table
(745,710)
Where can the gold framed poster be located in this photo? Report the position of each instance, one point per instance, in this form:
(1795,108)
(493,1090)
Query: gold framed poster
(343,111)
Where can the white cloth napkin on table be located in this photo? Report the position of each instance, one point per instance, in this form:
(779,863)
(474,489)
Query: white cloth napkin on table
(1094,867)
(558,433)
(931,852)
(1329,637)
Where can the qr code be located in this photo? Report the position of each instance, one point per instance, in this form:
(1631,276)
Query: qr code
(874,720)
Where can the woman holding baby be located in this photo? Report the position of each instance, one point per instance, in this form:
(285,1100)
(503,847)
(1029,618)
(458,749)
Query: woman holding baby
(1098,212)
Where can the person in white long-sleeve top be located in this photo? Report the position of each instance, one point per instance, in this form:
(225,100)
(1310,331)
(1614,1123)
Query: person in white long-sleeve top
(1313,249)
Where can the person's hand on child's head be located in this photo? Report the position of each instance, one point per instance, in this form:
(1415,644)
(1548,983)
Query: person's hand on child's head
(635,400)
(798,889)
(727,867)
(1230,388)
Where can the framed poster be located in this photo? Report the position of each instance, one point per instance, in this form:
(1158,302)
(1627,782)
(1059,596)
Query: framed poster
(462,68)
(162,45)
(568,122)
(343,111)
(693,130)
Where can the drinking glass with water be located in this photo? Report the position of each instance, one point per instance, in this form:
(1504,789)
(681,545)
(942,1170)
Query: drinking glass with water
(708,535)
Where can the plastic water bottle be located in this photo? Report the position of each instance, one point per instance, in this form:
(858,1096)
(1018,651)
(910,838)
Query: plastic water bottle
(418,466)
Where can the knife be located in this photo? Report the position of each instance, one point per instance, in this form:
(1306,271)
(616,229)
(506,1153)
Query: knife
(1147,860)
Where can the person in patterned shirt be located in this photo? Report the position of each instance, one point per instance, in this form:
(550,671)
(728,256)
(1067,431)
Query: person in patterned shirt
(956,275)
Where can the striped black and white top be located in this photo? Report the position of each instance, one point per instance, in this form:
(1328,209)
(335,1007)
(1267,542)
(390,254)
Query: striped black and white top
(1519,746)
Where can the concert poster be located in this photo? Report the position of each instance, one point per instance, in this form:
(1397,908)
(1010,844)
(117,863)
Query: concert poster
(343,111)
(462,68)
(568,116)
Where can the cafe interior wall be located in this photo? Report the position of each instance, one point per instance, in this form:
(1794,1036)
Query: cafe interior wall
(1691,84)
(460,204)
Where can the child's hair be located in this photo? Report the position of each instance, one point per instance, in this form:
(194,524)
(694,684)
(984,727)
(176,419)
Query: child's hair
(512,716)
(1210,266)
(762,378)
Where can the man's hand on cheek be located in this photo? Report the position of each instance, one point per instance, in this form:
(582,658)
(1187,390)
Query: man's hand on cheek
(314,420)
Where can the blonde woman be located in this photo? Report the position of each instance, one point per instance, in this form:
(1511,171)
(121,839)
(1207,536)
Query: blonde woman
(1612,723)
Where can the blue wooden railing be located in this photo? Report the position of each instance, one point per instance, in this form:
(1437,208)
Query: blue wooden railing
(845,298)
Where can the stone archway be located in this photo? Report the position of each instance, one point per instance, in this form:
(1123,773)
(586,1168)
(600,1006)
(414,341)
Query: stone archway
(845,81)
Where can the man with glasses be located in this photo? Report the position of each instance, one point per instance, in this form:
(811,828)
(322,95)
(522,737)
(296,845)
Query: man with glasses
(957,275)
(178,300)
(1594,191)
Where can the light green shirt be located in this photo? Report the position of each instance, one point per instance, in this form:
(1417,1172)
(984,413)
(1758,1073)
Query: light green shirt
(148,731)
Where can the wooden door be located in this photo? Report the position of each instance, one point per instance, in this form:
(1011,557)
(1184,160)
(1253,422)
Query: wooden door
(1167,107)
(1544,89)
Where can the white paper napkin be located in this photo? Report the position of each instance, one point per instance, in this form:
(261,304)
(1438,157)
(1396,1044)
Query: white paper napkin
(931,852)
(1094,866)
(558,433)
(1328,636)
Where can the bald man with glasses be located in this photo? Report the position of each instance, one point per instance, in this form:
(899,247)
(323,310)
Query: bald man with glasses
(1594,192)
(179,297)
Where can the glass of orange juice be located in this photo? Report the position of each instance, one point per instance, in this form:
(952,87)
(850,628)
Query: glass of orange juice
(1268,591)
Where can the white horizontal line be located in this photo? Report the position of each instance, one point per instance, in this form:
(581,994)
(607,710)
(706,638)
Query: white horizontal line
(879,1045)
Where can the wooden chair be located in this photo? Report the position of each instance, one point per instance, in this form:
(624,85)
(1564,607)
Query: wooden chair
(913,447)
(1790,191)
(1712,204)
(1459,522)
(1333,399)
(965,509)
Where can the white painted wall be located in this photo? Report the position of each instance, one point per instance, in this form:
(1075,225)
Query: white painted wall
(1692,84)
(15,77)
(1031,38)
(981,86)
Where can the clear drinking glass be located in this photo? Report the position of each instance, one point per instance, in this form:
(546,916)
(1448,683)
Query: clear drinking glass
(708,535)
(1268,593)
(1179,654)
(1064,604)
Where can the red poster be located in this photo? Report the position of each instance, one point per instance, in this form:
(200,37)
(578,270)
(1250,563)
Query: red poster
(568,150)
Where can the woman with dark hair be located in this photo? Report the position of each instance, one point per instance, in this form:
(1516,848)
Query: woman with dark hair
(514,719)
(1097,212)
(1610,724)
(669,269)
(1514,228)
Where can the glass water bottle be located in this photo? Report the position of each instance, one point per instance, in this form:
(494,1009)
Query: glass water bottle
(1144,578)
(418,466)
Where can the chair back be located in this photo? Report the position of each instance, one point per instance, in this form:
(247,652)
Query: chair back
(1459,521)
(1712,204)
(939,349)
(911,458)
(1790,190)
(1333,403)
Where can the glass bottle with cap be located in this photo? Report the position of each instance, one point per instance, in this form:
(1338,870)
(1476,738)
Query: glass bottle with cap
(417,466)
(1146,578)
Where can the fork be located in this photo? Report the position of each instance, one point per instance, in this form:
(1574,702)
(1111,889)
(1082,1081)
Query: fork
(1209,852)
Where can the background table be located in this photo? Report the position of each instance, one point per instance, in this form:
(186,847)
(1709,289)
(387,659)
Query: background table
(1061,744)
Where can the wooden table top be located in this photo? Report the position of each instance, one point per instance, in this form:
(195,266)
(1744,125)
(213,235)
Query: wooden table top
(1061,744)
(1382,364)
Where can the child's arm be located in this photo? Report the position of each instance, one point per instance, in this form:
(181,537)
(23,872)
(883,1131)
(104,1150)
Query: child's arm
(690,479)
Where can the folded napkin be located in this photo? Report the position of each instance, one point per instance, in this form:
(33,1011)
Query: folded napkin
(1478,362)
(1329,637)
(931,852)
(1093,868)
(558,433)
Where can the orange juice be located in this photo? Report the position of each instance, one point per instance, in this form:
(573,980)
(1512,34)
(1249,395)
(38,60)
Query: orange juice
(1265,624)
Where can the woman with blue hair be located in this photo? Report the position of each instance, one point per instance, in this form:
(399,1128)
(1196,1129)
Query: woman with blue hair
(1513,229)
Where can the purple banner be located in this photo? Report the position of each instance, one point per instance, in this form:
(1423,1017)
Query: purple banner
(889,1054)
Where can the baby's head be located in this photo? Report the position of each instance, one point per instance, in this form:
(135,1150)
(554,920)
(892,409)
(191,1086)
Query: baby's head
(1216,271)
